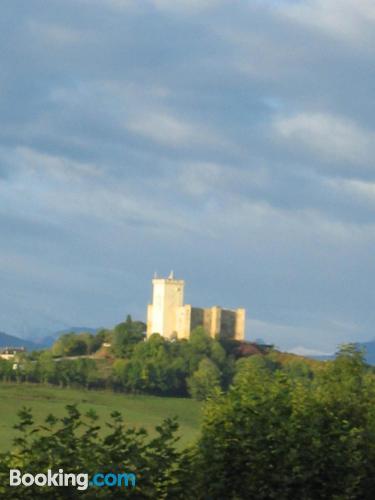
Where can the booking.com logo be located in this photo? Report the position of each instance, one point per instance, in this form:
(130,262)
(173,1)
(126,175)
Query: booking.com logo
(81,481)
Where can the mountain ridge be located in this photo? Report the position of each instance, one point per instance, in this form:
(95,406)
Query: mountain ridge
(8,340)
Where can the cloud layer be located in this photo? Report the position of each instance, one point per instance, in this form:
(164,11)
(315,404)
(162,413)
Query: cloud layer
(232,142)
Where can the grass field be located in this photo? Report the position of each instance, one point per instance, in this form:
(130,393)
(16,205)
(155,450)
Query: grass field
(140,411)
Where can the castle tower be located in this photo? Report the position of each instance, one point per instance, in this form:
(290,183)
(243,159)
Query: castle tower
(167,298)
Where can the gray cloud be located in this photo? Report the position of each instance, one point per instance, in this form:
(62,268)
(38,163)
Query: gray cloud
(233,143)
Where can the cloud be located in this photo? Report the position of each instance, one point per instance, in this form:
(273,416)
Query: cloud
(186,5)
(57,186)
(171,131)
(362,191)
(285,336)
(231,143)
(208,179)
(30,161)
(57,34)
(115,4)
(331,137)
(347,20)
(181,6)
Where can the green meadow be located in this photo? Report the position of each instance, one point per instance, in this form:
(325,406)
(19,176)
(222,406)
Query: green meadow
(138,411)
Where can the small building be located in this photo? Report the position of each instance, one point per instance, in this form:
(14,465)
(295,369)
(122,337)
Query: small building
(8,353)
(170,317)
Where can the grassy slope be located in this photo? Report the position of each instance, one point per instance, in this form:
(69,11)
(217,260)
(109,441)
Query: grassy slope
(140,411)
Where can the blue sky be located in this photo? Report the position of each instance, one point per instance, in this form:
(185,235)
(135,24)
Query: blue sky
(232,142)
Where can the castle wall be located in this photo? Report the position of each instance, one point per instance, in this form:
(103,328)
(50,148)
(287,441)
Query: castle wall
(169,316)
(197,317)
(228,324)
(240,324)
(184,318)
(149,320)
(207,319)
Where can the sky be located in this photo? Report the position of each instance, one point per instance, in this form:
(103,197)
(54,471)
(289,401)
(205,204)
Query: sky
(231,141)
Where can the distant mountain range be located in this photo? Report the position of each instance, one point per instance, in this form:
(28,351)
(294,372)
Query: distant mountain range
(7,340)
(12,341)
(50,339)
(369,348)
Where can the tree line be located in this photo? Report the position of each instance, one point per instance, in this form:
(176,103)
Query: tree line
(197,366)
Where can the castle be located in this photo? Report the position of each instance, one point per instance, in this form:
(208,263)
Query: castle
(170,317)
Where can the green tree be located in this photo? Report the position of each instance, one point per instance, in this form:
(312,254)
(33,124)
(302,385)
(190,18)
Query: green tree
(46,368)
(77,444)
(97,340)
(71,344)
(205,381)
(278,436)
(126,335)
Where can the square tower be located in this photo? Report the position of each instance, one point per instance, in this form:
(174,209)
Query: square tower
(167,298)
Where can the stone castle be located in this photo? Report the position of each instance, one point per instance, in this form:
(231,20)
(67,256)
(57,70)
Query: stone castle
(170,317)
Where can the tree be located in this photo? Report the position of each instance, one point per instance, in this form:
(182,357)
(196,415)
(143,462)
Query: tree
(71,344)
(97,340)
(205,381)
(126,335)
(46,368)
(76,443)
(200,341)
(155,367)
(278,436)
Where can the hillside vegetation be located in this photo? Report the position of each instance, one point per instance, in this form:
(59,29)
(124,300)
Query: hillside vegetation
(122,359)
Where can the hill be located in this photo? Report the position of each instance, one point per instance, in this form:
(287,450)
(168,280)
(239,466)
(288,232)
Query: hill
(49,340)
(7,340)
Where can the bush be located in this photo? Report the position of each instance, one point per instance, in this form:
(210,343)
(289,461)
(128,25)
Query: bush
(278,436)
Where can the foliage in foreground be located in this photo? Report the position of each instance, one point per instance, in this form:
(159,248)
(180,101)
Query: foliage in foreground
(276,434)
(283,435)
(73,443)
